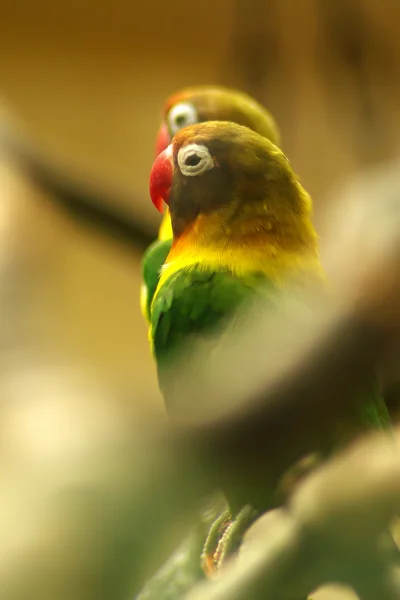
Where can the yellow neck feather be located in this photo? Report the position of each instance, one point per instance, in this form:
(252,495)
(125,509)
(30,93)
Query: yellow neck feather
(248,245)
(165,231)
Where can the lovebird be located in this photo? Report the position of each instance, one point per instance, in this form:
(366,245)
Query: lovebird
(188,107)
(242,229)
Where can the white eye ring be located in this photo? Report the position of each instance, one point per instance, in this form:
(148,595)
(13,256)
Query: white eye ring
(194,159)
(180,116)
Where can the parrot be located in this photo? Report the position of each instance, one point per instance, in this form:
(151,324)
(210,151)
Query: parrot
(188,107)
(242,229)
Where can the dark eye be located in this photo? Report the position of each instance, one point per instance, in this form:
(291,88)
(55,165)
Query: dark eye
(192,160)
(180,120)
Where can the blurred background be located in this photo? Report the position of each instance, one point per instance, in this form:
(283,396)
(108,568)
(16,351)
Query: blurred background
(86,81)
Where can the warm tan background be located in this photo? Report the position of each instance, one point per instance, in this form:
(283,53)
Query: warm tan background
(88,79)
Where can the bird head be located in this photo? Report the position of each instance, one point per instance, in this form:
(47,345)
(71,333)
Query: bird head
(227,169)
(213,103)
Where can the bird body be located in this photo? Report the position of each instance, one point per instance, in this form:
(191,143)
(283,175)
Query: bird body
(242,230)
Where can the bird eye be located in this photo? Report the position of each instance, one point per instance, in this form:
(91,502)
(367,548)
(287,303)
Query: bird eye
(180,116)
(192,160)
(195,159)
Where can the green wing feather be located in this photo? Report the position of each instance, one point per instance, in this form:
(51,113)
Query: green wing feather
(194,303)
(152,261)
(369,413)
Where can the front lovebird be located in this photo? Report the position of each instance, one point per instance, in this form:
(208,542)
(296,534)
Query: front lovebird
(242,229)
(241,223)
(188,107)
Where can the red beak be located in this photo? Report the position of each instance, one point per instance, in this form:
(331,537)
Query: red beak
(161,178)
(163,139)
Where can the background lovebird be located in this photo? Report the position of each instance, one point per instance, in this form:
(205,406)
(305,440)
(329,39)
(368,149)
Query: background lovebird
(188,107)
(242,230)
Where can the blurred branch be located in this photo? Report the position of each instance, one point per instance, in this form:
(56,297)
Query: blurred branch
(93,207)
(329,532)
(92,497)
(296,412)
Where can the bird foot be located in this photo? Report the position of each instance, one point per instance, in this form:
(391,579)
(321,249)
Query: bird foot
(224,539)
